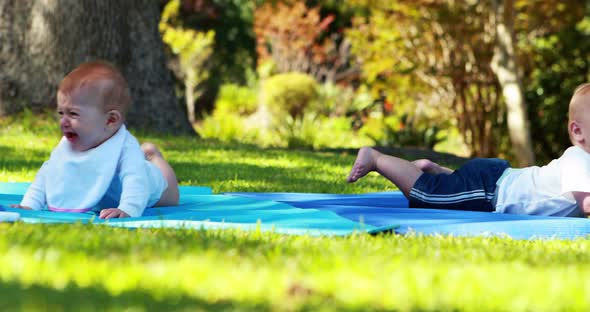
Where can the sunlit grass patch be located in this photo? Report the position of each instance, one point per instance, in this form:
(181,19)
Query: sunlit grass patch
(99,268)
(254,270)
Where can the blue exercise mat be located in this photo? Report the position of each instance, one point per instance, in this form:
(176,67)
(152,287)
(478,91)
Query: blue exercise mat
(318,214)
(198,208)
(391,208)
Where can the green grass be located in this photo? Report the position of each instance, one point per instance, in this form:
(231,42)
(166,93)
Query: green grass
(98,268)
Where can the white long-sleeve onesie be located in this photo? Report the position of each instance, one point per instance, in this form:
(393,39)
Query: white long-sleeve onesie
(113,174)
(547,190)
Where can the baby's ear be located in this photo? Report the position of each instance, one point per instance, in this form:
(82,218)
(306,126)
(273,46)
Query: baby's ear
(114,117)
(576,131)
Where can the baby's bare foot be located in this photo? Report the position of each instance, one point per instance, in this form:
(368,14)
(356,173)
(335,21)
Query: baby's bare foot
(364,163)
(150,150)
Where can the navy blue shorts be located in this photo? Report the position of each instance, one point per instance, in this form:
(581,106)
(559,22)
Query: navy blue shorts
(470,187)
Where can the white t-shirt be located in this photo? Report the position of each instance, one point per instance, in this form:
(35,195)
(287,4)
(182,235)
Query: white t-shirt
(546,190)
(114,174)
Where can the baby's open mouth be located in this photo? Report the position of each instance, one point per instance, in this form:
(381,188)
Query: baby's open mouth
(70,136)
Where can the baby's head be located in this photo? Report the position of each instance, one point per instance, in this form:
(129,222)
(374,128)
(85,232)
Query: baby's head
(579,117)
(103,80)
(92,102)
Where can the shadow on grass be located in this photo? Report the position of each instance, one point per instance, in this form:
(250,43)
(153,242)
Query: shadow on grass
(324,154)
(256,178)
(17,297)
(24,159)
(148,242)
(312,175)
(408,153)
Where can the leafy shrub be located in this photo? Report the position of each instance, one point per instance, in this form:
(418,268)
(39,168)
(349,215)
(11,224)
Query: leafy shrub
(308,131)
(298,132)
(337,132)
(322,122)
(335,100)
(289,93)
(312,131)
(373,128)
(227,127)
(233,98)
(403,131)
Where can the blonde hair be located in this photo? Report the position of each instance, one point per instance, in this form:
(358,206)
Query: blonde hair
(575,106)
(111,85)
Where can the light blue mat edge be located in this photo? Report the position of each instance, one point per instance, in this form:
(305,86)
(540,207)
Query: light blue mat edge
(199,209)
(386,208)
(20,188)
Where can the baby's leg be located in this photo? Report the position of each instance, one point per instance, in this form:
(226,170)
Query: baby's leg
(429,166)
(399,171)
(171,194)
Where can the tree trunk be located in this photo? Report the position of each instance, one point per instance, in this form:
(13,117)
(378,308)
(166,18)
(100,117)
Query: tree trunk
(189,91)
(42,40)
(504,65)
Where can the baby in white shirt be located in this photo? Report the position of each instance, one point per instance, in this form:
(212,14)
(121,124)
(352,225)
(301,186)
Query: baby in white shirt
(560,188)
(98,165)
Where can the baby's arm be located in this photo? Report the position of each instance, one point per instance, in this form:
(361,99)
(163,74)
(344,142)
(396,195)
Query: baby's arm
(35,196)
(134,191)
(134,185)
(134,197)
(583,200)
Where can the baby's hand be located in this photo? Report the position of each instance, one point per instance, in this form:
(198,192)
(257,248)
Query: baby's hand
(112,213)
(20,207)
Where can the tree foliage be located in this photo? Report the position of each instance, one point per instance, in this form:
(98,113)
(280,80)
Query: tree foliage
(417,58)
(438,54)
(560,62)
(435,54)
(193,49)
(295,38)
(232,22)
(233,60)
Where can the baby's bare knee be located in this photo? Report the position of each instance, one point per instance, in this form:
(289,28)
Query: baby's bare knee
(423,164)
(150,150)
(170,197)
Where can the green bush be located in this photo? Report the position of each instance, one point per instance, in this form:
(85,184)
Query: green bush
(227,127)
(373,128)
(312,131)
(335,100)
(322,120)
(402,131)
(337,132)
(298,132)
(308,131)
(289,93)
(233,98)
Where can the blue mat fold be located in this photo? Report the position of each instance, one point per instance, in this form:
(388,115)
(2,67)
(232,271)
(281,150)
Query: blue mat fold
(198,208)
(390,208)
